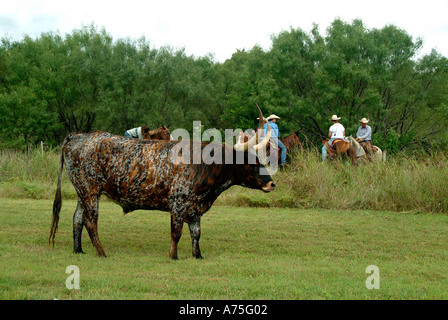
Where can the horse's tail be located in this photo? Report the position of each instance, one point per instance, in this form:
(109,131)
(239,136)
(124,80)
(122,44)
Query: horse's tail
(57,203)
(384,155)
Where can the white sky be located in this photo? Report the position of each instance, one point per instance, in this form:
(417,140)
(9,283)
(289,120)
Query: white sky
(221,27)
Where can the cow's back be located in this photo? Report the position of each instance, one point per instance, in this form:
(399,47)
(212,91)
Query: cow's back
(132,172)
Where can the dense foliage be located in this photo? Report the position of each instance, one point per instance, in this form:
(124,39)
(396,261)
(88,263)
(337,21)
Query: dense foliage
(83,81)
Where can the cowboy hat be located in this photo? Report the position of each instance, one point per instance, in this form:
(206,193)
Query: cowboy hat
(335,117)
(272,116)
(364,120)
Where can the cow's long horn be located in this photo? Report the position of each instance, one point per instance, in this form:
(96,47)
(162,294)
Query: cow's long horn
(253,141)
(266,139)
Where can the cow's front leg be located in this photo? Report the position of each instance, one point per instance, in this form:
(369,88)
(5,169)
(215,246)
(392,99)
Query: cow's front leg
(177,223)
(195,232)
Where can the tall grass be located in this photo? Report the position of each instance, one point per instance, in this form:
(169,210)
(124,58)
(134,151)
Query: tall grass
(400,184)
(31,174)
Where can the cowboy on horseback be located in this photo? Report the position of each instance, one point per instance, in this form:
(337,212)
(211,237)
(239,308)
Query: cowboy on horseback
(364,136)
(336,131)
(162,133)
(275,137)
(136,132)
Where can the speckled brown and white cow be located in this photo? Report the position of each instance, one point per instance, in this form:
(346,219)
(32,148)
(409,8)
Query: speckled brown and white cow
(138,174)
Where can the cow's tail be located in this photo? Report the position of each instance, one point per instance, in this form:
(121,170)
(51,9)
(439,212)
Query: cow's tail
(57,203)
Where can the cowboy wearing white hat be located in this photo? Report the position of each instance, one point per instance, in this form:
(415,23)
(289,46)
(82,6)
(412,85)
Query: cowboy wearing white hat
(364,120)
(335,118)
(336,131)
(275,136)
(364,136)
(272,116)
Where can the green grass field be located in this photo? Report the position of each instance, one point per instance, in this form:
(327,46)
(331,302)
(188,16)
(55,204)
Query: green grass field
(250,253)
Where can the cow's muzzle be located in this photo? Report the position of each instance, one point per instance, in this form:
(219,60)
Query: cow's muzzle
(269,187)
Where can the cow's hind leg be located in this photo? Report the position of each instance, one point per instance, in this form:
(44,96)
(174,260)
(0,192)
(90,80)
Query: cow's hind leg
(176,232)
(78,224)
(195,232)
(91,224)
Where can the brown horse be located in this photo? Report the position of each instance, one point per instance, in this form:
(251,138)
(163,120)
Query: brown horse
(162,133)
(292,141)
(340,148)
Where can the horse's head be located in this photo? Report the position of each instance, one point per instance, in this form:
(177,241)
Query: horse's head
(351,140)
(162,133)
(358,149)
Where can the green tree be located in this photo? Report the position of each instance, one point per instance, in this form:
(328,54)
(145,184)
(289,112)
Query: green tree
(83,81)
(356,72)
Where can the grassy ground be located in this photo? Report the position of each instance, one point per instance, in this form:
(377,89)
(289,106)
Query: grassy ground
(250,253)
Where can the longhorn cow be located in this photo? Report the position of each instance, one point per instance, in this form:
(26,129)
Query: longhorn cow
(138,174)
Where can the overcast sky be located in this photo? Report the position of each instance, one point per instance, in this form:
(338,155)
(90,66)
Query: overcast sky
(221,27)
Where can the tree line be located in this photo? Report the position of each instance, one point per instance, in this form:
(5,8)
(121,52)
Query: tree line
(83,81)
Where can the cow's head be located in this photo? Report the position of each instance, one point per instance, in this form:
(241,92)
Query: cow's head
(255,175)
